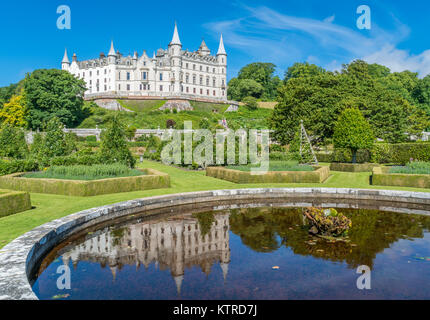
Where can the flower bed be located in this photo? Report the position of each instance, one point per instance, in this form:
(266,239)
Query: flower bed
(319,175)
(151,179)
(12,202)
(381,176)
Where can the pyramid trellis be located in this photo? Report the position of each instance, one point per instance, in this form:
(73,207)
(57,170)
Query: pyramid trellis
(306,149)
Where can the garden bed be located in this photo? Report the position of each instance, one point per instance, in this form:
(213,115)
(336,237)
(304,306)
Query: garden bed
(12,202)
(150,179)
(318,175)
(353,167)
(382,177)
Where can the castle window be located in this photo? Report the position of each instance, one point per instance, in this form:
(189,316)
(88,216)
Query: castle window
(223,82)
(222,60)
(194,90)
(161,88)
(201,68)
(128,75)
(119,75)
(105,88)
(91,73)
(140,87)
(149,87)
(119,87)
(207,81)
(201,80)
(186,65)
(207,92)
(214,70)
(214,93)
(105,71)
(97,72)
(194,67)
(128,87)
(187,78)
(207,69)
(187,89)
(201,91)
(144,63)
(214,82)
(194,79)
(83,75)
(144,75)
(161,76)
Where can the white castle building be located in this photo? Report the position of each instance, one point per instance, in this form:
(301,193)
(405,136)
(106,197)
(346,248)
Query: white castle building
(174,244)
(169,73)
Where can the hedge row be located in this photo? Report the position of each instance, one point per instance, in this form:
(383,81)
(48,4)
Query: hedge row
(153,180)
(352,167)
(400,153)
(236,176)
(381,177)
(12,202)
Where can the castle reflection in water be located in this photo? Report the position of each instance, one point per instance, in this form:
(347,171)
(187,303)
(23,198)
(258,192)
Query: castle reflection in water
(174,243)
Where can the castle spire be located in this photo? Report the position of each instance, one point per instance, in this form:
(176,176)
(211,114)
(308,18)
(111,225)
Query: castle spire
(178,281)
(112,50)
(175,39)
(221,49)
(65,58)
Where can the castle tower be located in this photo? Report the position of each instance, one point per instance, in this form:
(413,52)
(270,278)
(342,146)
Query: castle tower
(112,54)
(178,281)
(65,64)
(222,62)
(204,50)
(175,47)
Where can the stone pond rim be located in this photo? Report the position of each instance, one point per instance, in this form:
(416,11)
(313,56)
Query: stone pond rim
(18,258)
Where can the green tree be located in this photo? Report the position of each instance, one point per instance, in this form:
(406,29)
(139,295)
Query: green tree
(114,144)
(53,93)
(54,142)
(352,131)
(302,70)
(12,142)
(241,88)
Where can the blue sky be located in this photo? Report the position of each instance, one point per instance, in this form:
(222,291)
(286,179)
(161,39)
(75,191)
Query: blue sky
(282,32)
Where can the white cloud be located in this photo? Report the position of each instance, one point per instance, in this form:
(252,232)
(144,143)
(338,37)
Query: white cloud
(270,35)
(330,19)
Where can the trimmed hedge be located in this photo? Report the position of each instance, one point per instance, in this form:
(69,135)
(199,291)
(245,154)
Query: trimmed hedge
(399,153)
(153,180)
(381,177)
(318,176)
(353,167)
(12,202)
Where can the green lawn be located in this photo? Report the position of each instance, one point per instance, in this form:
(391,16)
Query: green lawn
(50,207)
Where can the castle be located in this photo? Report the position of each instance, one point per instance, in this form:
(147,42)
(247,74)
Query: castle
(170,73)
(174,244)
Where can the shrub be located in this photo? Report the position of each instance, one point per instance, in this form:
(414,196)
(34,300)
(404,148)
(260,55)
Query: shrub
(400,153)
(250,102)
(9,167)
(91,139)
(114,146)
(327,222)
(352,131)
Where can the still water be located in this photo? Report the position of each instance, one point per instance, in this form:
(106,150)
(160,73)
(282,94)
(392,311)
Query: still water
(242,252)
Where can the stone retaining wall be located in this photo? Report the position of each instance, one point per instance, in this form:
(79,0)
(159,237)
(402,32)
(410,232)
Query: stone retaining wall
(18,259)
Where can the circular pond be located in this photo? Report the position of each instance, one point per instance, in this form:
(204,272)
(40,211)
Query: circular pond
(243,250)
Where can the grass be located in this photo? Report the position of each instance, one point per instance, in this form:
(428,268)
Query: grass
(148,116)
(81,172)
(50,207)
(412,168)
(276,166)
